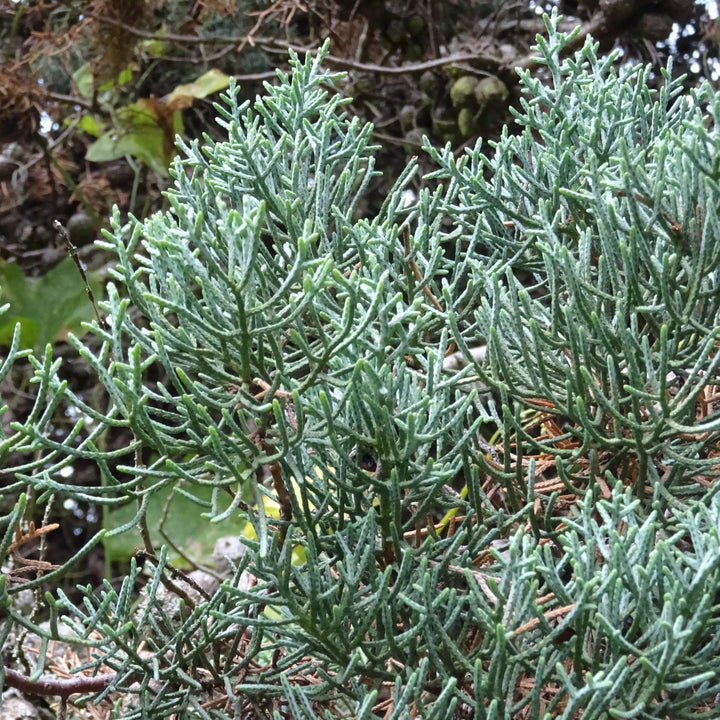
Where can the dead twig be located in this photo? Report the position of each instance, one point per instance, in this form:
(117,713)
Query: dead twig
(550,615)
(416,270)
(58,687)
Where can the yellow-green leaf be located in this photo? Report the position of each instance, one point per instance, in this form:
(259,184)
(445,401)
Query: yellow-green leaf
(90,125)
(208,83)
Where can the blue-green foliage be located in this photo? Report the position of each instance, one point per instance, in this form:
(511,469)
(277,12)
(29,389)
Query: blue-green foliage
(264,341)
(599,226)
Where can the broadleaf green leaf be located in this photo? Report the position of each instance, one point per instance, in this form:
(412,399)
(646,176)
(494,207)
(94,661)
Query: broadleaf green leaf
(48,307)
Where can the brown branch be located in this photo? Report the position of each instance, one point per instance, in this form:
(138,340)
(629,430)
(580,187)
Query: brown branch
(411,68)
(550,615)
(283,498)
(417,67)
(70,99)
(170,37)
(59,687)
(168,584)
(596,26)
(31,534)
(72,250)
(142,556)
(416,270)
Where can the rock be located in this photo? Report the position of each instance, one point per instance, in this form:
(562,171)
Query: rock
(227,549)
(15,707)
(230,549)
